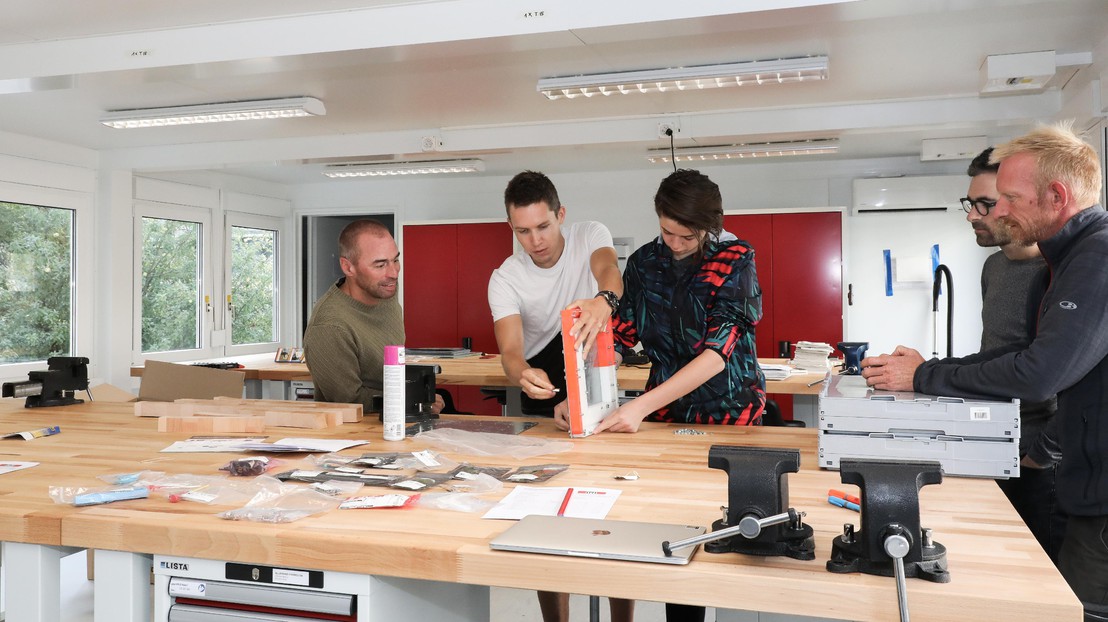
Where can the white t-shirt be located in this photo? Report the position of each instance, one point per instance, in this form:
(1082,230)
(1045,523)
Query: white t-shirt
(538,295)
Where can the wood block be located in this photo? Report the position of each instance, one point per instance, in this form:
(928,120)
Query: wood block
(162,409)
(352,413)
(211,425)
(289,419)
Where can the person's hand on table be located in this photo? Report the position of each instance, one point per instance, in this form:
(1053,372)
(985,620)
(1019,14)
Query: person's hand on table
(892,372)
(595,318)
(536,384)
(439,404)
(561,415)
(626,418)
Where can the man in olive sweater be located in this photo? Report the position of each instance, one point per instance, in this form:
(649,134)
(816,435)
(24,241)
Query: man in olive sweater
(359,315)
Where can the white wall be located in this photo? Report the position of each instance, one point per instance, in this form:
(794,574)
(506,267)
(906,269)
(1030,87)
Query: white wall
(623,200)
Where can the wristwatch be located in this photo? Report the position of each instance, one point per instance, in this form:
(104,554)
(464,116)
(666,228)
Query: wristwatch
(610,298)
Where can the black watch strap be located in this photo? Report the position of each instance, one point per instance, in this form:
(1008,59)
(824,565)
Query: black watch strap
(610,298)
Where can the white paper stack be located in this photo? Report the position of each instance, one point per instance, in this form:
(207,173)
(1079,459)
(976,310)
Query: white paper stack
(811,356)
(775,372)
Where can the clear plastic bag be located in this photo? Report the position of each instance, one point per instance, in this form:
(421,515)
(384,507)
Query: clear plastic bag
(492,444)
(281,503)
(464,496)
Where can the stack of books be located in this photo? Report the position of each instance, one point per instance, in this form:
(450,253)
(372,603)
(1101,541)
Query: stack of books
(811,356)
(440,353)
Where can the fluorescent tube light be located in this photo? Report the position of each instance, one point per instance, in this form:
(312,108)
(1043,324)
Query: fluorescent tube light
(687,78)
(215,113)
(428,167)
(745,151)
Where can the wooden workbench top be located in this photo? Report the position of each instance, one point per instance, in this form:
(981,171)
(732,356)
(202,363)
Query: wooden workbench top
(998,571)
(487,371)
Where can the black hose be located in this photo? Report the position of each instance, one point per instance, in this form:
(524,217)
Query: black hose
(935,288)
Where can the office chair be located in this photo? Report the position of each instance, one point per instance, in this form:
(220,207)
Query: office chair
(771,416)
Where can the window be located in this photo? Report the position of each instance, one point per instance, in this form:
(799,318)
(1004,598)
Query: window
(36,282)
(170,285)
(173,286)
(253,299)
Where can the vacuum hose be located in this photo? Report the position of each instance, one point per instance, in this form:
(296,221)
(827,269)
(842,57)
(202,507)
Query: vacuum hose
(941,270)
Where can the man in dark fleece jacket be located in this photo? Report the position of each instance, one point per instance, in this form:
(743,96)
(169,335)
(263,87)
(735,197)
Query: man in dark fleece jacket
(1048,184)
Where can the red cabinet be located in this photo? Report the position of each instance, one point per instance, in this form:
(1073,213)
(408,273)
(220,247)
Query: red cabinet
(799,261)
(445,272)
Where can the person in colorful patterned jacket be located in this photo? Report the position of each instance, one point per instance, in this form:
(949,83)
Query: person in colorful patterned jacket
(692,298)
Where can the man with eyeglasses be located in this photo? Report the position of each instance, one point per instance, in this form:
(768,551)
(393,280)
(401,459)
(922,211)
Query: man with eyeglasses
(1013,281)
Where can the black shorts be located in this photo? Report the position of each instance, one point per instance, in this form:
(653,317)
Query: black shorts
(551,360)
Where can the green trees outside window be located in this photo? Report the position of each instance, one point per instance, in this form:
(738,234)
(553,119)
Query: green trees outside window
(253,285)
(170,285)
(36,282)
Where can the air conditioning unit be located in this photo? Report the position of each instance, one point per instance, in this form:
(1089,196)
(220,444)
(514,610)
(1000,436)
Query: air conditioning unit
(904,194)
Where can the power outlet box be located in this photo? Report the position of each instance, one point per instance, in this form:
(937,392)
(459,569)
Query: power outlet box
(664,127)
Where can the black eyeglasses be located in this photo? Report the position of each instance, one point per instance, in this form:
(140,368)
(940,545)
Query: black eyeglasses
(981,205)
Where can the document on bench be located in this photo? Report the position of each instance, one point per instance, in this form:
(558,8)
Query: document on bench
(576,502)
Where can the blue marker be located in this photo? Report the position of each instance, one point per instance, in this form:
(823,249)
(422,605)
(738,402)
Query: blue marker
(107,496)
(843,503)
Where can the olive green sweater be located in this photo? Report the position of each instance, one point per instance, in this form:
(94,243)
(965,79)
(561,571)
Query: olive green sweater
(344,346)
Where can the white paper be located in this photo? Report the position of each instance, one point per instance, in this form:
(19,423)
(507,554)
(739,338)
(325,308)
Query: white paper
(547,501)
(8,466)
(204,444)
(294,445)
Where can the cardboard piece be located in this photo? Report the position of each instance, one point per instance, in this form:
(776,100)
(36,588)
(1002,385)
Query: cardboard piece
(105,392)
(590,378)
(165,382)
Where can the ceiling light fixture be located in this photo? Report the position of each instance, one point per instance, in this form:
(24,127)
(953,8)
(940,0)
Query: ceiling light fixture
(428,167)
(698,77)
(817,146)
(215,113)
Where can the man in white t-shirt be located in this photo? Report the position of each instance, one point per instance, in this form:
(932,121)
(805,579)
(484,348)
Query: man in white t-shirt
(559,266)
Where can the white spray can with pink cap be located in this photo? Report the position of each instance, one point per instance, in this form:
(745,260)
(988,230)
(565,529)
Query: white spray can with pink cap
(392,412)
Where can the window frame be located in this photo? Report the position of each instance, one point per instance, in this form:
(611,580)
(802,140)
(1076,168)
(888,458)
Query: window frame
(268,223)
(208,255)
(83,257)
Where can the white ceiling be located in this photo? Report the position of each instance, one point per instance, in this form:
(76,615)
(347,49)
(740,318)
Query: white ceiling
(464,71)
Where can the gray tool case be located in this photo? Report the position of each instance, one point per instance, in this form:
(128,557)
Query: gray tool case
(976,438)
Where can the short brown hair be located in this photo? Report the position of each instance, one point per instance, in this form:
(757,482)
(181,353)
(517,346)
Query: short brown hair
(691,199)
(528,188)
(348,239)
(1060,155)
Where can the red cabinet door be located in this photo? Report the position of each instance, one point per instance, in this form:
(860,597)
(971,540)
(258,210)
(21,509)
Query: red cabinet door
(445,271)
(757,229)
(799,261)
(429,272)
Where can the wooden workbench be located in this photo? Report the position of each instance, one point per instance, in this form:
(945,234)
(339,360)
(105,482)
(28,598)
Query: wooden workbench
(998,571)
(485,371)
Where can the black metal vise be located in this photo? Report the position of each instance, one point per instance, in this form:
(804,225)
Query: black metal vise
(758,511)
(54,386)
(890,522)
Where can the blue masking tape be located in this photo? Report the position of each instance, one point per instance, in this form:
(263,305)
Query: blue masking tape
(888,272)
(935,261)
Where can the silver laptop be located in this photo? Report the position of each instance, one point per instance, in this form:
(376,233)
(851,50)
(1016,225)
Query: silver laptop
(604,539)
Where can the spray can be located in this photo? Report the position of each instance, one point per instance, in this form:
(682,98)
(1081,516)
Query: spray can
(393,400)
